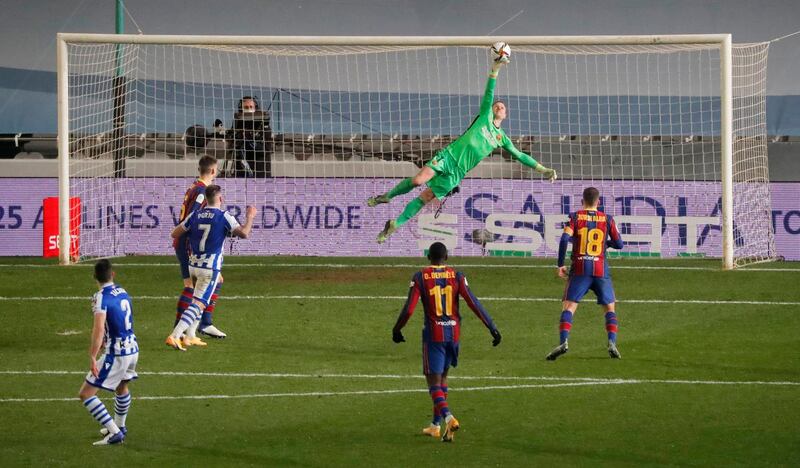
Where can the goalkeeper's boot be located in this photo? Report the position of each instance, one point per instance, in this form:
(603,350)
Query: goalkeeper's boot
(111,439)
(104,432)
(377,200)
(212,332)
(613,352)
(187,342)
(175,343)
(388,229)
(450,427)
(434,430)
(557,351)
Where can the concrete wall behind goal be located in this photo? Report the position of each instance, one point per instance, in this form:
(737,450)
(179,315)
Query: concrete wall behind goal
(672,159)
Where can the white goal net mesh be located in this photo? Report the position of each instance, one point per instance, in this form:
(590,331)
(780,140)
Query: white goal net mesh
(338,124)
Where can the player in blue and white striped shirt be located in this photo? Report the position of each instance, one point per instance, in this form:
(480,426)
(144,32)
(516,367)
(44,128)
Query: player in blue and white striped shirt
(113,326)
(207,229)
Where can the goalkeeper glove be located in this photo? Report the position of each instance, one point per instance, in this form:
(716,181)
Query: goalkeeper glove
(497,337)
(550,174)
(397,336)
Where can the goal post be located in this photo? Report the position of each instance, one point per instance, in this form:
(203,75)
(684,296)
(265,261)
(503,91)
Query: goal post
(726,136)
(635,115)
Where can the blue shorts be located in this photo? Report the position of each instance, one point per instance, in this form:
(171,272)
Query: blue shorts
(182,252)
(578,286)
(438,357)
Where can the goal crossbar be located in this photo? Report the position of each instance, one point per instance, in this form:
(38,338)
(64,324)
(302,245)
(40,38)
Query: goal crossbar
(392,40)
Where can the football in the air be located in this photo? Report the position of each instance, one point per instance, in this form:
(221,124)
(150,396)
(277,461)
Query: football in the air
(500,50)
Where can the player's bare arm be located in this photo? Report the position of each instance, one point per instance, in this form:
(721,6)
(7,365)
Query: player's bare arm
(98,327)
(243,231)
(179,230)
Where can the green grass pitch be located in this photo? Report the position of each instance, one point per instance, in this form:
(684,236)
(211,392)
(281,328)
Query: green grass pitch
(309,375)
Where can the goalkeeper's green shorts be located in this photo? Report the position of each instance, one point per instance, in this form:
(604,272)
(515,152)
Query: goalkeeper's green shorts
(447,177)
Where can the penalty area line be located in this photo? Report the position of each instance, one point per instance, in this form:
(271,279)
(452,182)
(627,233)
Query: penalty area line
(317,394)
(286,375)
(393,391)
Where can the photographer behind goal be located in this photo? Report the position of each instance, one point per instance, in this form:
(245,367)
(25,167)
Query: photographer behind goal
(252,139)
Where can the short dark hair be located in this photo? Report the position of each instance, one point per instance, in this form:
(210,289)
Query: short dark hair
(206,163)
(437,253)
(212,192)
(240,104)
(103,271)
(590,195)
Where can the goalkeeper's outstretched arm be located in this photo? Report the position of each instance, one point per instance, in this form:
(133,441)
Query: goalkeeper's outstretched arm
(488,94)
(527,160)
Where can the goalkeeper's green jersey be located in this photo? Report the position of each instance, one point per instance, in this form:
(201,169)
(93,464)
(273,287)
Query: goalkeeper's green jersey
(482,137)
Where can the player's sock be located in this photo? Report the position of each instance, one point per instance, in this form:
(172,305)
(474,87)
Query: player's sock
(404,186)
(207,318)
(122,403)
(439,401)
(611,326)
(98,411)
(410,211)
(188,317)
(565,326)
(437,418)
(183,302)
(191,332)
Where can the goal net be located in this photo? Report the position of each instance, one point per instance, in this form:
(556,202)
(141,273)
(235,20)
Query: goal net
(678,155)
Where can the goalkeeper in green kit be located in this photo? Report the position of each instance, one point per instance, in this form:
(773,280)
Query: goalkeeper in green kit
(445,171)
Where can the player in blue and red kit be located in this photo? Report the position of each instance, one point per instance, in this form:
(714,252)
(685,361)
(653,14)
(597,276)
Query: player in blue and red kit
(591,232)
(439,287)
(194,199)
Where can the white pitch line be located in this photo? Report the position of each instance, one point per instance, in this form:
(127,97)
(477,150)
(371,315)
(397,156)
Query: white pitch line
(397,391)
(370,298)
(318,394)
(284,375)
(401,265)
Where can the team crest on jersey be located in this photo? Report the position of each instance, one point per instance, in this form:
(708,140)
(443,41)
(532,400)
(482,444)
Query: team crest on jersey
(499,138)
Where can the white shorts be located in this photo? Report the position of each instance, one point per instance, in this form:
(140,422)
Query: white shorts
(205,282)
(113,371)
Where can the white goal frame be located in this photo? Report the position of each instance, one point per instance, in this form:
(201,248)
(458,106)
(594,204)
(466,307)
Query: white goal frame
(723,41)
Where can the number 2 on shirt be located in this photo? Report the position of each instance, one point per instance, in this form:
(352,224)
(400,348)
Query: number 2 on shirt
(126,307)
